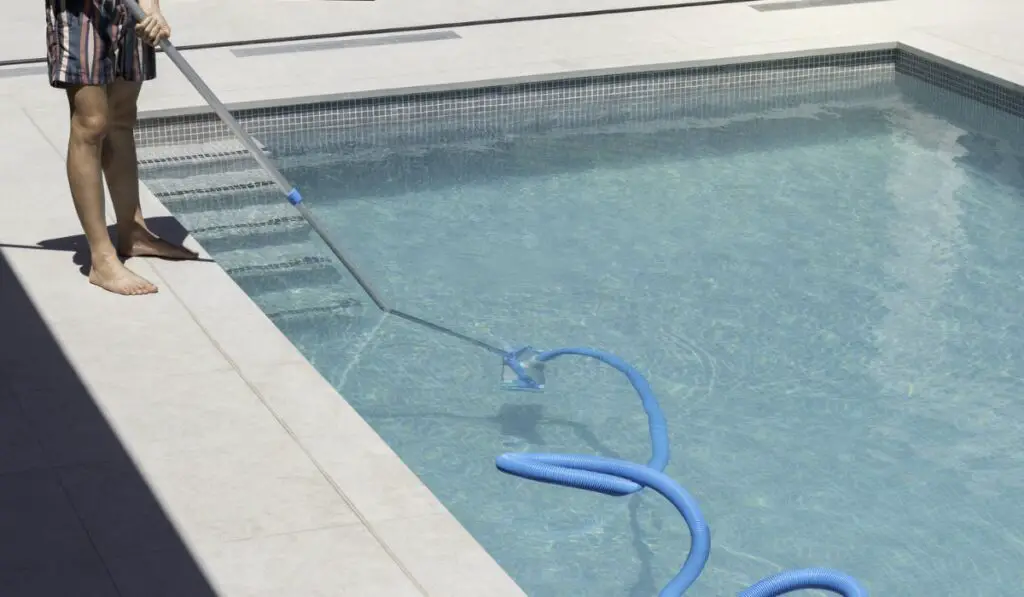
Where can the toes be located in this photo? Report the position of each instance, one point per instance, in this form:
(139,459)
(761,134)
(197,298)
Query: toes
(142,287)
(129,286)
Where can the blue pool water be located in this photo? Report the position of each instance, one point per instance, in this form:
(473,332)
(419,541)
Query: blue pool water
(826,297)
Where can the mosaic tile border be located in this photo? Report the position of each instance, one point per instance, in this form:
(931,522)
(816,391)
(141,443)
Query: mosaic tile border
(960,82)
(571,100)
(966,99)
(579,101)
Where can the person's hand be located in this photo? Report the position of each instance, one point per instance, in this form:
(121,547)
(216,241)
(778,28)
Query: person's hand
(154,28)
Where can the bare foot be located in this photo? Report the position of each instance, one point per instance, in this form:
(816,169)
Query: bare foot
(110,274)
(143,243)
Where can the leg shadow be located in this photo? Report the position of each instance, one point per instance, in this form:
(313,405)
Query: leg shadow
(166,227)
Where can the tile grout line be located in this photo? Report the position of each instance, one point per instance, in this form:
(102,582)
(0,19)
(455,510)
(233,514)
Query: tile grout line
(337,488)
(108,214)
(39,129)
(54,470)
(92,542)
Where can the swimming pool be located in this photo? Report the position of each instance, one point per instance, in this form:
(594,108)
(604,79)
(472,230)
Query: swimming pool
(817,268)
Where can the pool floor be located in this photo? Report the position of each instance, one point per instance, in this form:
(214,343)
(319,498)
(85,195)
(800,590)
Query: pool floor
(825,297)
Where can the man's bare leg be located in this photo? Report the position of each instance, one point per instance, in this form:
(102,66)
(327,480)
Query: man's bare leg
(122,171)
(89,118)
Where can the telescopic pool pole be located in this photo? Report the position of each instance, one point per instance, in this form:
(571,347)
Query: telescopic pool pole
(292,194)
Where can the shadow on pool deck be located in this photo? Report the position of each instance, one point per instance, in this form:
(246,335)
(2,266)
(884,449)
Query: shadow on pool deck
(76,516)
(165,227)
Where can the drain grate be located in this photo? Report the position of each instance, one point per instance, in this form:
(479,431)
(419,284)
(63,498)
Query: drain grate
(363,42)
(799,4)
(22,71)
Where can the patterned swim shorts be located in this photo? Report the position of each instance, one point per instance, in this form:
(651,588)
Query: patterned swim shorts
(93,42)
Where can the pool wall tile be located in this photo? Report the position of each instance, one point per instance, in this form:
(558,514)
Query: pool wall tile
(701,91)
(976,87)
(572,102)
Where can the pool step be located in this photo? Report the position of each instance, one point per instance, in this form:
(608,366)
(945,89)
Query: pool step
(282,266)
(302,302)
(270,258)
(207,177)
(239,215)
(253,226)
(249,225)
(293,281)
(193,204)
(226,190)
(199,184)
(194,154)
(311,271)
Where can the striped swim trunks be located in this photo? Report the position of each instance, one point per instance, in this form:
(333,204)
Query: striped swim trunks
(93,42)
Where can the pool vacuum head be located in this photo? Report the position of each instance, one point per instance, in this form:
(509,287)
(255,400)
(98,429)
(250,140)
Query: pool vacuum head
(520,370)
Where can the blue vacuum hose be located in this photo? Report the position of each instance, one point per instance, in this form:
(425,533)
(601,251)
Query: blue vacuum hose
(619,478)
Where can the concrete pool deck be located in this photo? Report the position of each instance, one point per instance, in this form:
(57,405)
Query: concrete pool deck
(178,444)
